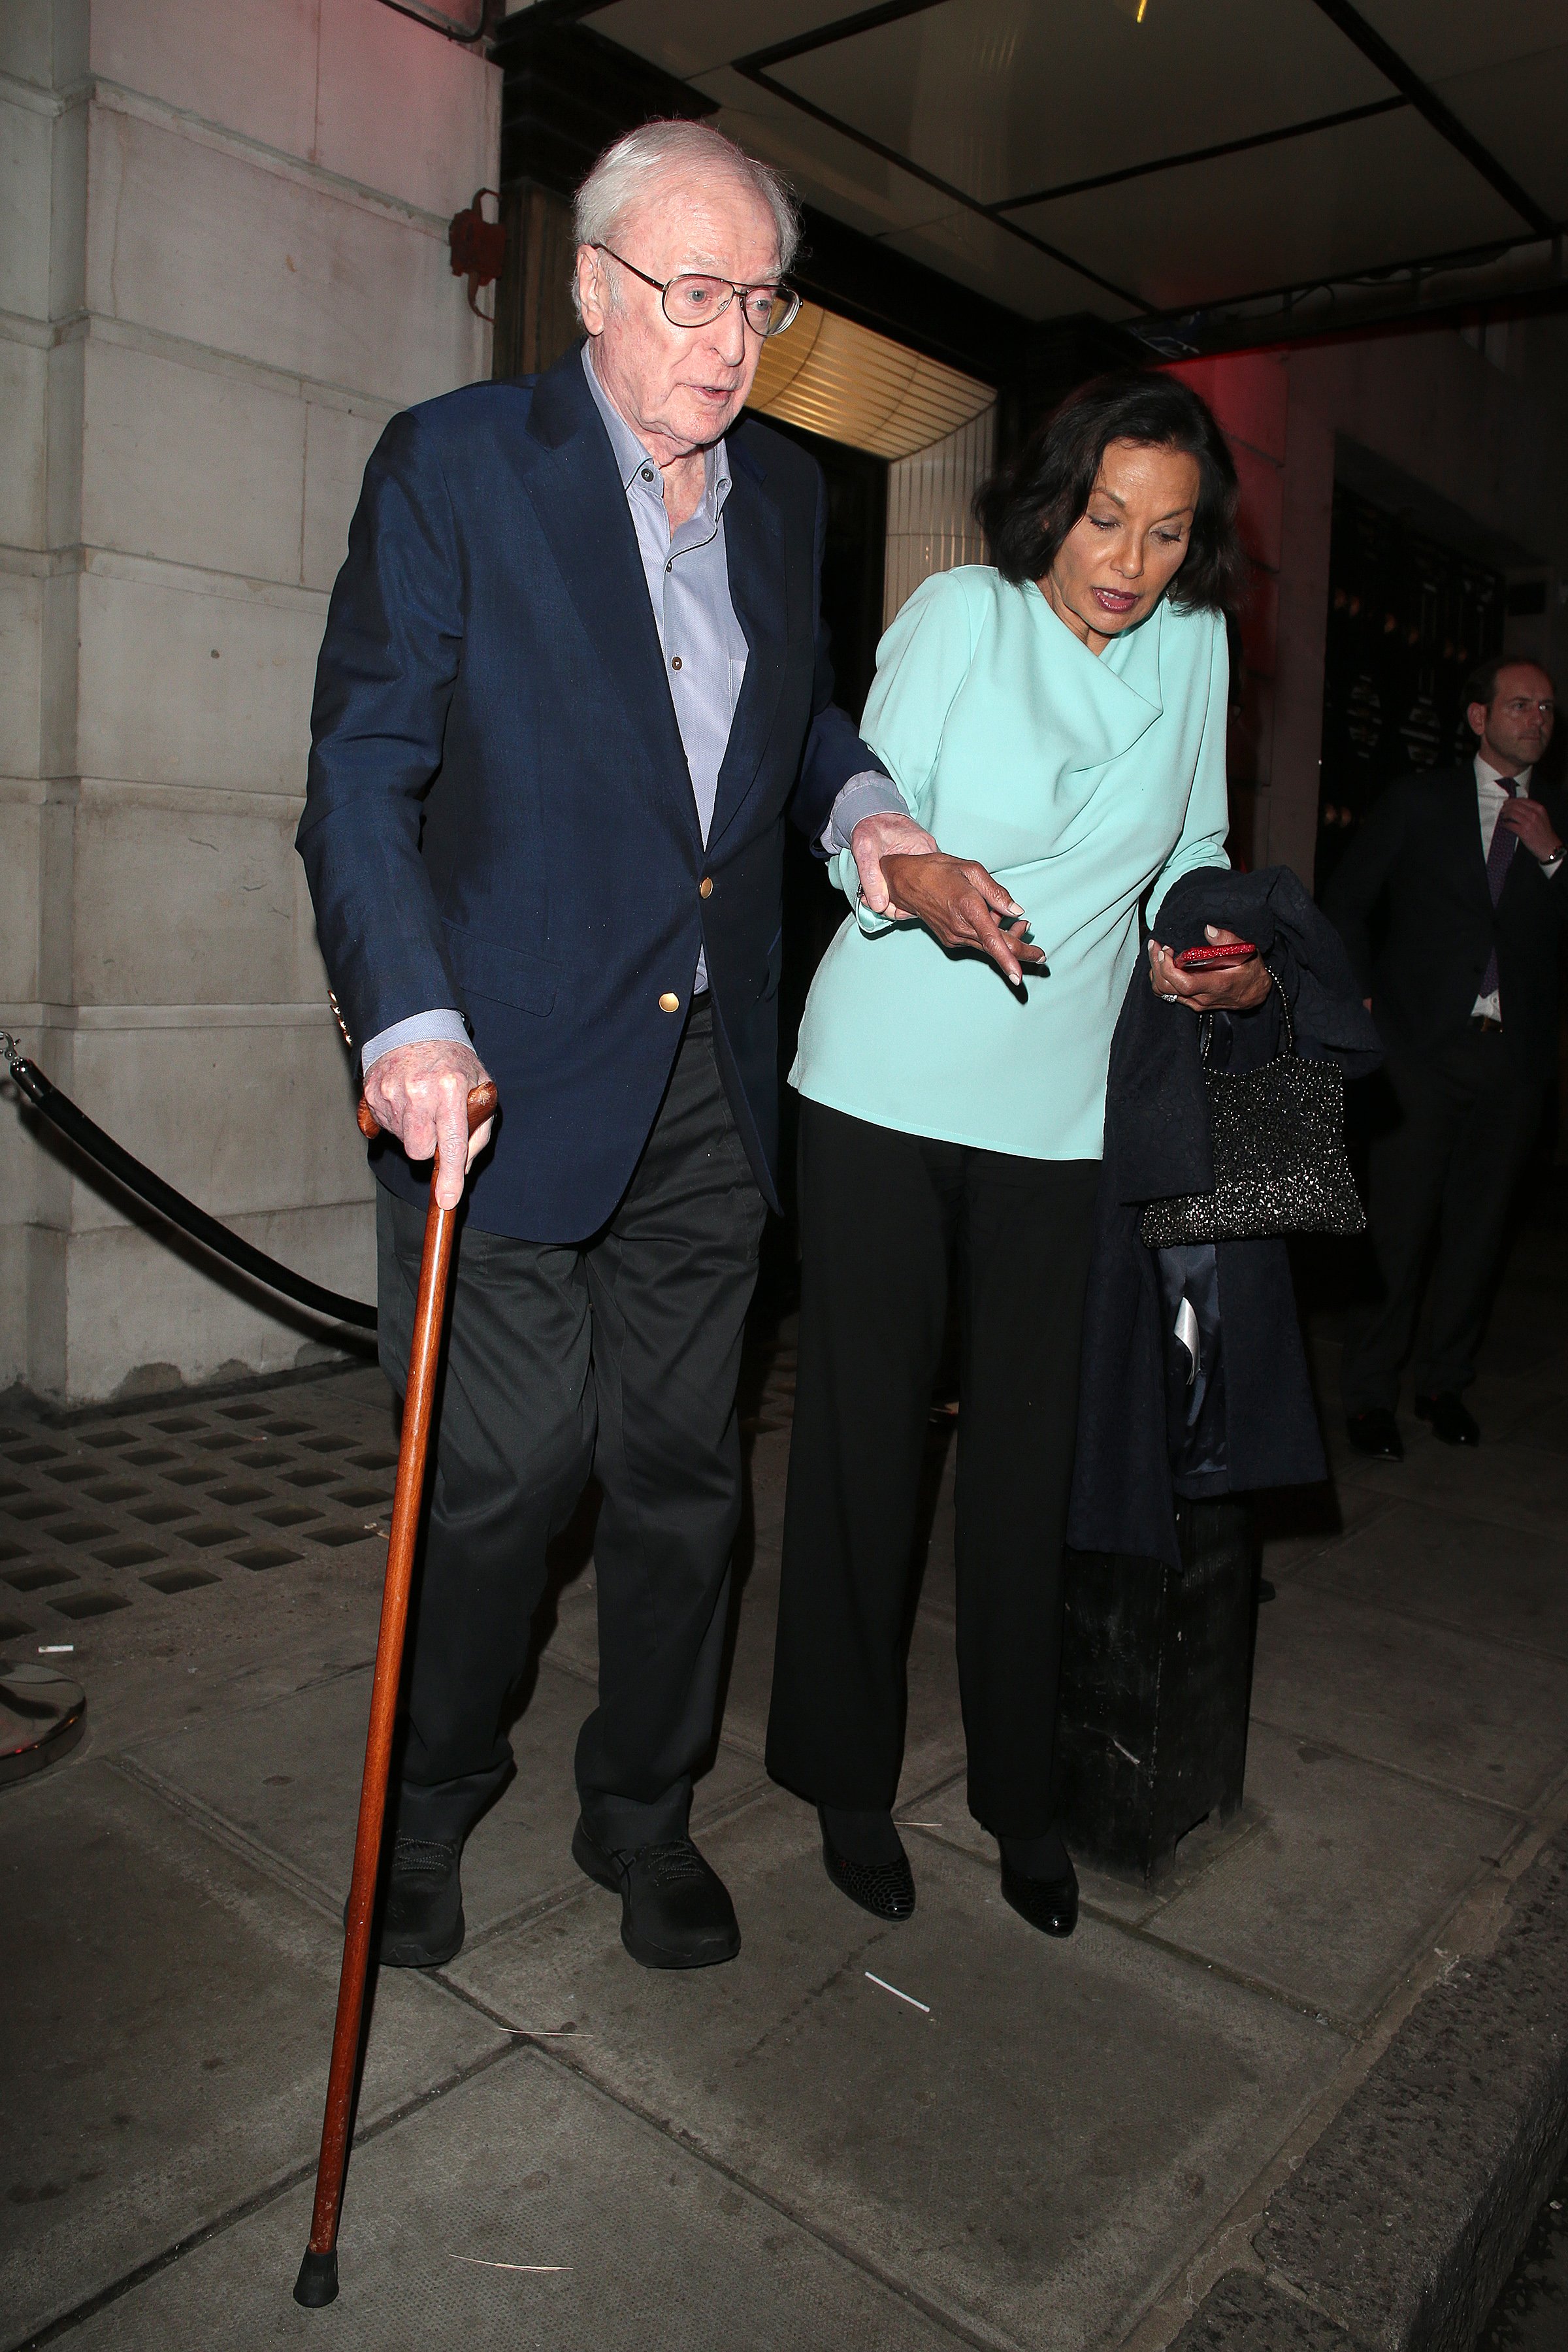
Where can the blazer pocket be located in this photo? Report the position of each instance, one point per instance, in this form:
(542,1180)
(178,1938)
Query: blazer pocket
(501,974)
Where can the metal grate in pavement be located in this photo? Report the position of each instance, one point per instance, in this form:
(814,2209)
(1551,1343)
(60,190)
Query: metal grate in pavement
(125,1509)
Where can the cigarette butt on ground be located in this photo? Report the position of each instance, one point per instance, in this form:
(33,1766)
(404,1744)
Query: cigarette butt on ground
(481,2264)
(924,2006)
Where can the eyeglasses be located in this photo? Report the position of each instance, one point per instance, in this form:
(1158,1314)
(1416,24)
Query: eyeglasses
(693,301)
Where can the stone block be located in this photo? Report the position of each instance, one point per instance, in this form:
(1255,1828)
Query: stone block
(1250,392)
(181,686)
(1262,505)
(21,667)
(252,69)
(172,2012)
(338,443)
(24,383)
(18,901)
(184,905)
(247,1119)
(1404,2219)
(399,108)
(1243,2313)
(138,1298)
(195,465)
(27,49)
(263,262)
(27,158)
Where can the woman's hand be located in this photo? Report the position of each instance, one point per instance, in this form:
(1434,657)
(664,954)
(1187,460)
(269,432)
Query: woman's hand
(1220,988)
(959,905)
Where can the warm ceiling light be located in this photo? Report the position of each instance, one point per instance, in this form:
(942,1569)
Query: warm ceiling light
(851,384)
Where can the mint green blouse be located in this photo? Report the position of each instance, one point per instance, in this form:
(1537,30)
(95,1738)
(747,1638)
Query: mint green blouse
(1080,782)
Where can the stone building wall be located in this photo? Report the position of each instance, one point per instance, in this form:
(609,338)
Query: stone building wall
(224,267)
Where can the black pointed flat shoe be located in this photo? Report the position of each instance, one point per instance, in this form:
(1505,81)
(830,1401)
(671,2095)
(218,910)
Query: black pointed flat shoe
(886,1889)
(1048,1903)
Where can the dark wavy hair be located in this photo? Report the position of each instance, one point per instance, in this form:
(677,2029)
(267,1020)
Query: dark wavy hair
(1030,504)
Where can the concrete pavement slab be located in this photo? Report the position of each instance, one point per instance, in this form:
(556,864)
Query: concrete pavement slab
(1514,1485)
(525,2164)
(286,1776)
(946,1813)
(1307,1905)
(168,2014)
(1455,1572)
(1031,2151)
(1475,1717)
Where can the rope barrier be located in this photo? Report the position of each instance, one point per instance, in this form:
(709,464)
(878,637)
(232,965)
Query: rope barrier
(78,1129)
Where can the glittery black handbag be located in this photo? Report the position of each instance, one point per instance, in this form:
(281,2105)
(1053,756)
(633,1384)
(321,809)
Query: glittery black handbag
(1279,1159)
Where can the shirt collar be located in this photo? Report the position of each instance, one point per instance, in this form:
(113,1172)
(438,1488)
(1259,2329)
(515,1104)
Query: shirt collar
(631,457)
(1486,774)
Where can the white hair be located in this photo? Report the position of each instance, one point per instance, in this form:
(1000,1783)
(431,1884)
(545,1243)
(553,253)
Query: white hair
(634,164)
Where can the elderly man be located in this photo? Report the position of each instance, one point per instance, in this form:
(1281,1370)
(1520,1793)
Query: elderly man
(574,677)
(1451,903)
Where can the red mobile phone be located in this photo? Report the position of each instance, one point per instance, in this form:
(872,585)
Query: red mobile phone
(1221,951)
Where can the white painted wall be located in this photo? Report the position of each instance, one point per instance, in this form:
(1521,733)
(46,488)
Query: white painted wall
(224,267)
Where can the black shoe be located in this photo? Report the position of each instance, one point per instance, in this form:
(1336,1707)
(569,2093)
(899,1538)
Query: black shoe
(1048,1903)
(1375,1433)
(422,1916)
(1450,1420)
(886,1889)
(676,1911)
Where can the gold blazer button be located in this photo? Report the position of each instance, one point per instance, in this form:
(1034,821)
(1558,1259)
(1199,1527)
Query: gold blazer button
(667,1004)
(705,888)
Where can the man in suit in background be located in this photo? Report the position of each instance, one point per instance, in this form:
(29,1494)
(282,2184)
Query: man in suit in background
(1450,900)
(574,677)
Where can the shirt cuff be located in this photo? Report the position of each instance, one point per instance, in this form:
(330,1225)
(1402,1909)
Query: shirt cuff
(444,1027)
(1549,866)
(870,794)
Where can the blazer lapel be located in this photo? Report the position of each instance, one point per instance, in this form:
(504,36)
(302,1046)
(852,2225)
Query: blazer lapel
(754,557)
(580,504)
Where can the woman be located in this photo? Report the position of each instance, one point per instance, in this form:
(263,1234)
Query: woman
(1058,724)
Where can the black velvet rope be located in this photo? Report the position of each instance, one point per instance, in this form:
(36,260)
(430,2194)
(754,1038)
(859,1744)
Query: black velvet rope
(77,1128)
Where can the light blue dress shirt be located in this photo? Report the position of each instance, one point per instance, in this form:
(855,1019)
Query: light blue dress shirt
(705,654)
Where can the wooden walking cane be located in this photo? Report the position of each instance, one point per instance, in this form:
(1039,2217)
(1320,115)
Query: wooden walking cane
(317,2281)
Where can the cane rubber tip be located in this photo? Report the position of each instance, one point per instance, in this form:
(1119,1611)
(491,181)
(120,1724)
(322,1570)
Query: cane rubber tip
(317,2283)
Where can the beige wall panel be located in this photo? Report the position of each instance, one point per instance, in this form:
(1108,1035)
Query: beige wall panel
(401,108)
(200,241)
(23,390)
(249,64)
(244,1120)
(21,646)
(337,445)
(191,464)
(25,162)
(178,909)
(132,1305)
(18,907)
(181,687)
(25,46)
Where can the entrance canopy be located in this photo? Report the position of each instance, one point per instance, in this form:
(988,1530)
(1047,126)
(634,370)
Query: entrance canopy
(1203,172)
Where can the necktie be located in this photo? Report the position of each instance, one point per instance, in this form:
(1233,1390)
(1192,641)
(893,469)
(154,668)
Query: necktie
(1500,858)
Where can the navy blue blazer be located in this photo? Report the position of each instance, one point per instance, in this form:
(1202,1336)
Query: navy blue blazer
(499,815)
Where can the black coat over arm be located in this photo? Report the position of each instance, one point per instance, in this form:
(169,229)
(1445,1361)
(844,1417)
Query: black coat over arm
(1156,1145)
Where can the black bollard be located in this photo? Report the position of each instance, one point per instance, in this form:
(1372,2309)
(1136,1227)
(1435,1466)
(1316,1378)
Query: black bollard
(1156,1683)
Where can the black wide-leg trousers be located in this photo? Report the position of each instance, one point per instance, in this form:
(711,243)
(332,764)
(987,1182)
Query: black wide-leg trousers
(886,1220)
(619,1356)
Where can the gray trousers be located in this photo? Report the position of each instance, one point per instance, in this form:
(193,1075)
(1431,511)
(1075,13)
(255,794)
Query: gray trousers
(1442,1177)
(619,1355)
